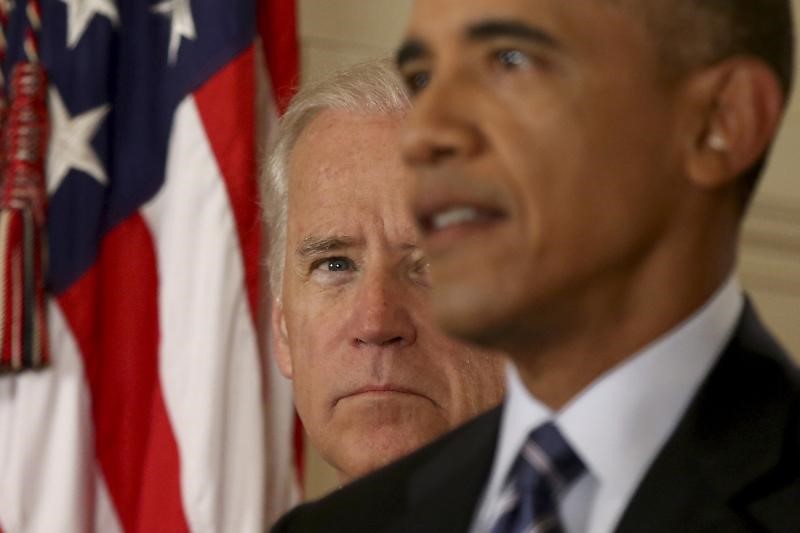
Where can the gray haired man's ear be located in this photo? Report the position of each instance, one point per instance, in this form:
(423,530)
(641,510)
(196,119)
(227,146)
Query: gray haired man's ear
(280,337)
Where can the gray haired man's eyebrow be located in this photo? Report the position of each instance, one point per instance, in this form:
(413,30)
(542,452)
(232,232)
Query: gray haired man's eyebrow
(313,246)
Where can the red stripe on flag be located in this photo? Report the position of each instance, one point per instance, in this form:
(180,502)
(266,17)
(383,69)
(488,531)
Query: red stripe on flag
(226,104)
(277,24)
(113,313)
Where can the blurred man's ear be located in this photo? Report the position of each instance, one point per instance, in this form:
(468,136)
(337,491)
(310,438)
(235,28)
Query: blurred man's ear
(737,107)
(278,324)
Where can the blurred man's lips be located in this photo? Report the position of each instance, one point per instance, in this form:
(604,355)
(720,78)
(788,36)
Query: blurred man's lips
(456,220)
(454,216)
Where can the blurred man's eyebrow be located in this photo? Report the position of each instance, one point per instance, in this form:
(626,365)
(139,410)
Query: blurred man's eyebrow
(313,246)
(410,50)
(492,29)
(413,49)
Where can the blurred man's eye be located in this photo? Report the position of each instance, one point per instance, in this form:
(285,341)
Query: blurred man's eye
(417,80)
(512,59)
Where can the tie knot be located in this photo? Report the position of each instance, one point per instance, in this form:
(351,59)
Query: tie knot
(546,466)
(547,457)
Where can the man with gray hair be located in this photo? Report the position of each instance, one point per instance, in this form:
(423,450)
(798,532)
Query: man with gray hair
(373,377)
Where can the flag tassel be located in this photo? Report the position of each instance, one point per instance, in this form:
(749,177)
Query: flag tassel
(23,338)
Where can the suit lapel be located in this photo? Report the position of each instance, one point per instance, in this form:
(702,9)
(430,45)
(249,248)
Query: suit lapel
(443,491)
(719,466)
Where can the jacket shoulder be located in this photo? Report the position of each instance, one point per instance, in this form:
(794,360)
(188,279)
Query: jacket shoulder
(379,500)
(733,462)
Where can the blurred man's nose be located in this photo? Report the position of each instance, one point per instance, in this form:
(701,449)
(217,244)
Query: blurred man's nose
(440,126)
(382,317)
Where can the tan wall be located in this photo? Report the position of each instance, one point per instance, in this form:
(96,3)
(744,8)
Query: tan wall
(336,33)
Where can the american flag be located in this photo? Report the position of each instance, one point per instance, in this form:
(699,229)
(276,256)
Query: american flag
(151,415)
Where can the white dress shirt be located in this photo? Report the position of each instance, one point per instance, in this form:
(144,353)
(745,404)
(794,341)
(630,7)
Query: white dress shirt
(618,424)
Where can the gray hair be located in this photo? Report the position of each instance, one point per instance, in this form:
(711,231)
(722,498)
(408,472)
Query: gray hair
(371,87)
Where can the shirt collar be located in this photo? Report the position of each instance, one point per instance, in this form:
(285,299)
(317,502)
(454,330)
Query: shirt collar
(618,423)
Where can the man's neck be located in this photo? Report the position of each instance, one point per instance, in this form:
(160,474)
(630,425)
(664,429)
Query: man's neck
(601,332)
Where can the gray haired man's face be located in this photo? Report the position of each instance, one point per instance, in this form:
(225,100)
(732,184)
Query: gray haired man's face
(374,378)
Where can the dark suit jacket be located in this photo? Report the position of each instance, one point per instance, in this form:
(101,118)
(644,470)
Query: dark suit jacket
(732,464)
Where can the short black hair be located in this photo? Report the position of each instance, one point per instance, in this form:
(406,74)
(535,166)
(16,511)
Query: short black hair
(696,33)
(692,34)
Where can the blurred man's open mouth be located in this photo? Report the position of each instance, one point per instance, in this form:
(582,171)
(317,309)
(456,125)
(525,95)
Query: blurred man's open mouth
(443,224)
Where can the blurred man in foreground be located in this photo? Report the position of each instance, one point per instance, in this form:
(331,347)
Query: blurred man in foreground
(583,170)
(373,377)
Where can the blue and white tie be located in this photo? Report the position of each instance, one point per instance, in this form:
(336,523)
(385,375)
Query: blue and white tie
(545,468)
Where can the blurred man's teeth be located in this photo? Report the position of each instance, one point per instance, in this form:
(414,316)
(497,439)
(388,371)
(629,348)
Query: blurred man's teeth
(454,216)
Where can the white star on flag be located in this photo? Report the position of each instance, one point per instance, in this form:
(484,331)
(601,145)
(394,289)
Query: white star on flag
(70,142)
(182,23)
(81,12)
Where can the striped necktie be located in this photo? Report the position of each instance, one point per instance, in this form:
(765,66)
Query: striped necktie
(544,469)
